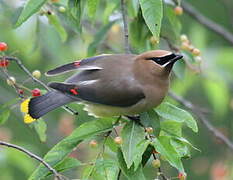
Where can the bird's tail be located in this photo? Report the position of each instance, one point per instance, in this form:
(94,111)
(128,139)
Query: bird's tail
(36,107)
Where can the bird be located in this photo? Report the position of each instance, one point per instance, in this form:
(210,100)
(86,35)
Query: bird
(108,85)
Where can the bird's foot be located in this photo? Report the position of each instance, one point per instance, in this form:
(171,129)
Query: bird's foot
(136,119)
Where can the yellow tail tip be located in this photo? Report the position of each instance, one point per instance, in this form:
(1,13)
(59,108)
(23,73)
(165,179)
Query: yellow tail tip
(28,119)
(25,106)
(25,109)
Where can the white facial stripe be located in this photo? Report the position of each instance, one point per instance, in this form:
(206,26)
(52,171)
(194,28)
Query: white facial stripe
(87,82)
(169,53)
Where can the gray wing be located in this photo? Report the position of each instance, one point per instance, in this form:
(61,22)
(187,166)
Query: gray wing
(85,64)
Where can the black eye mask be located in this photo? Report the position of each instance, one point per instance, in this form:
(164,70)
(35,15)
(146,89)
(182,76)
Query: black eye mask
(165,59)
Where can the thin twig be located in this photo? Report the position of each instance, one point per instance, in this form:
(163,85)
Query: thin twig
(207,22)
(119,175)
(126,31)
(21,65)
(202,118)
(159,169)
(30,154)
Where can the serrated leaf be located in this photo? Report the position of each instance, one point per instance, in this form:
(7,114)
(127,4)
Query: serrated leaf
(41,127)
(140,149)
(53,20)
(92,6)
(169,111)
(129,173)
(65,146)
(31,7)
(66,164)
(4,116)
(132,134)
(152,11)
(163,146)
(99,37)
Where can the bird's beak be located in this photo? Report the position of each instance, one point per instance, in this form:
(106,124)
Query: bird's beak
(177,57)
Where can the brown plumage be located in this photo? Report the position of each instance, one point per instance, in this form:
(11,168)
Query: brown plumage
(110,85)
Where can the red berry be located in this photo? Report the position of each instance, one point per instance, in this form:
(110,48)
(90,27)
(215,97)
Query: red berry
(20,91)
(3,46)
(181,176)
(4,63)
(36,92)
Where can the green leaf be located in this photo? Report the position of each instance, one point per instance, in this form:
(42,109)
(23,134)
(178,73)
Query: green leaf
(172,127)
(99,37)
(132,134)
(105,169)
(152,11)
(31,7)
(53,20)
(64,147)
(171,112)
(41,127)
(67,164)
(163,146)
(129,173)
(140,149)
(111,144)
(181,148)
(87,171)
(4,116)
(92,6)
(133,7)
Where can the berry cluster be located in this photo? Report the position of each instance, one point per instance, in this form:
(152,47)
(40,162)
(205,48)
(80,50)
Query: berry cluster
(187,46)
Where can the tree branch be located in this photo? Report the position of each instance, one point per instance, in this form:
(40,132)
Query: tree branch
(202,118)
(207,22)
(21,65)
(30,154)
(125,22)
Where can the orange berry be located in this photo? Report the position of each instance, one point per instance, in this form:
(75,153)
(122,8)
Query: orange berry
(118,140)
(178,10)
(185,46)
(149,130)
(196,52)
(156,163)
(93,143)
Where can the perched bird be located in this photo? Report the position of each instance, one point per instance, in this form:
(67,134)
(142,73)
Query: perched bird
(108,85)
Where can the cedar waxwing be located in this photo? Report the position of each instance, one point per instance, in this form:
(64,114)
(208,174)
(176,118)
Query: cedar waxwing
(108,85)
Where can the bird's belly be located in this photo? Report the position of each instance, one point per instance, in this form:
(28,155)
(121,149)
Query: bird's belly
(99,110)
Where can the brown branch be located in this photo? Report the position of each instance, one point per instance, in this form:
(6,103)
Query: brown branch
(202,118)
(125,22)
(30,154)
(207,22)
(21,65)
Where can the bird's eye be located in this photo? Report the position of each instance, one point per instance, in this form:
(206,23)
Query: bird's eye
(162,60)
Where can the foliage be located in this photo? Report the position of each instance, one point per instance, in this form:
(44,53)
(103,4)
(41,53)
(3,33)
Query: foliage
(87,28)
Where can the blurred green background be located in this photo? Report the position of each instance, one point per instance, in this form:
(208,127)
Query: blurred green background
(39,46)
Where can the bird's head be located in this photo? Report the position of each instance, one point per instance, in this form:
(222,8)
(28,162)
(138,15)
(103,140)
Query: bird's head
(159,61)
